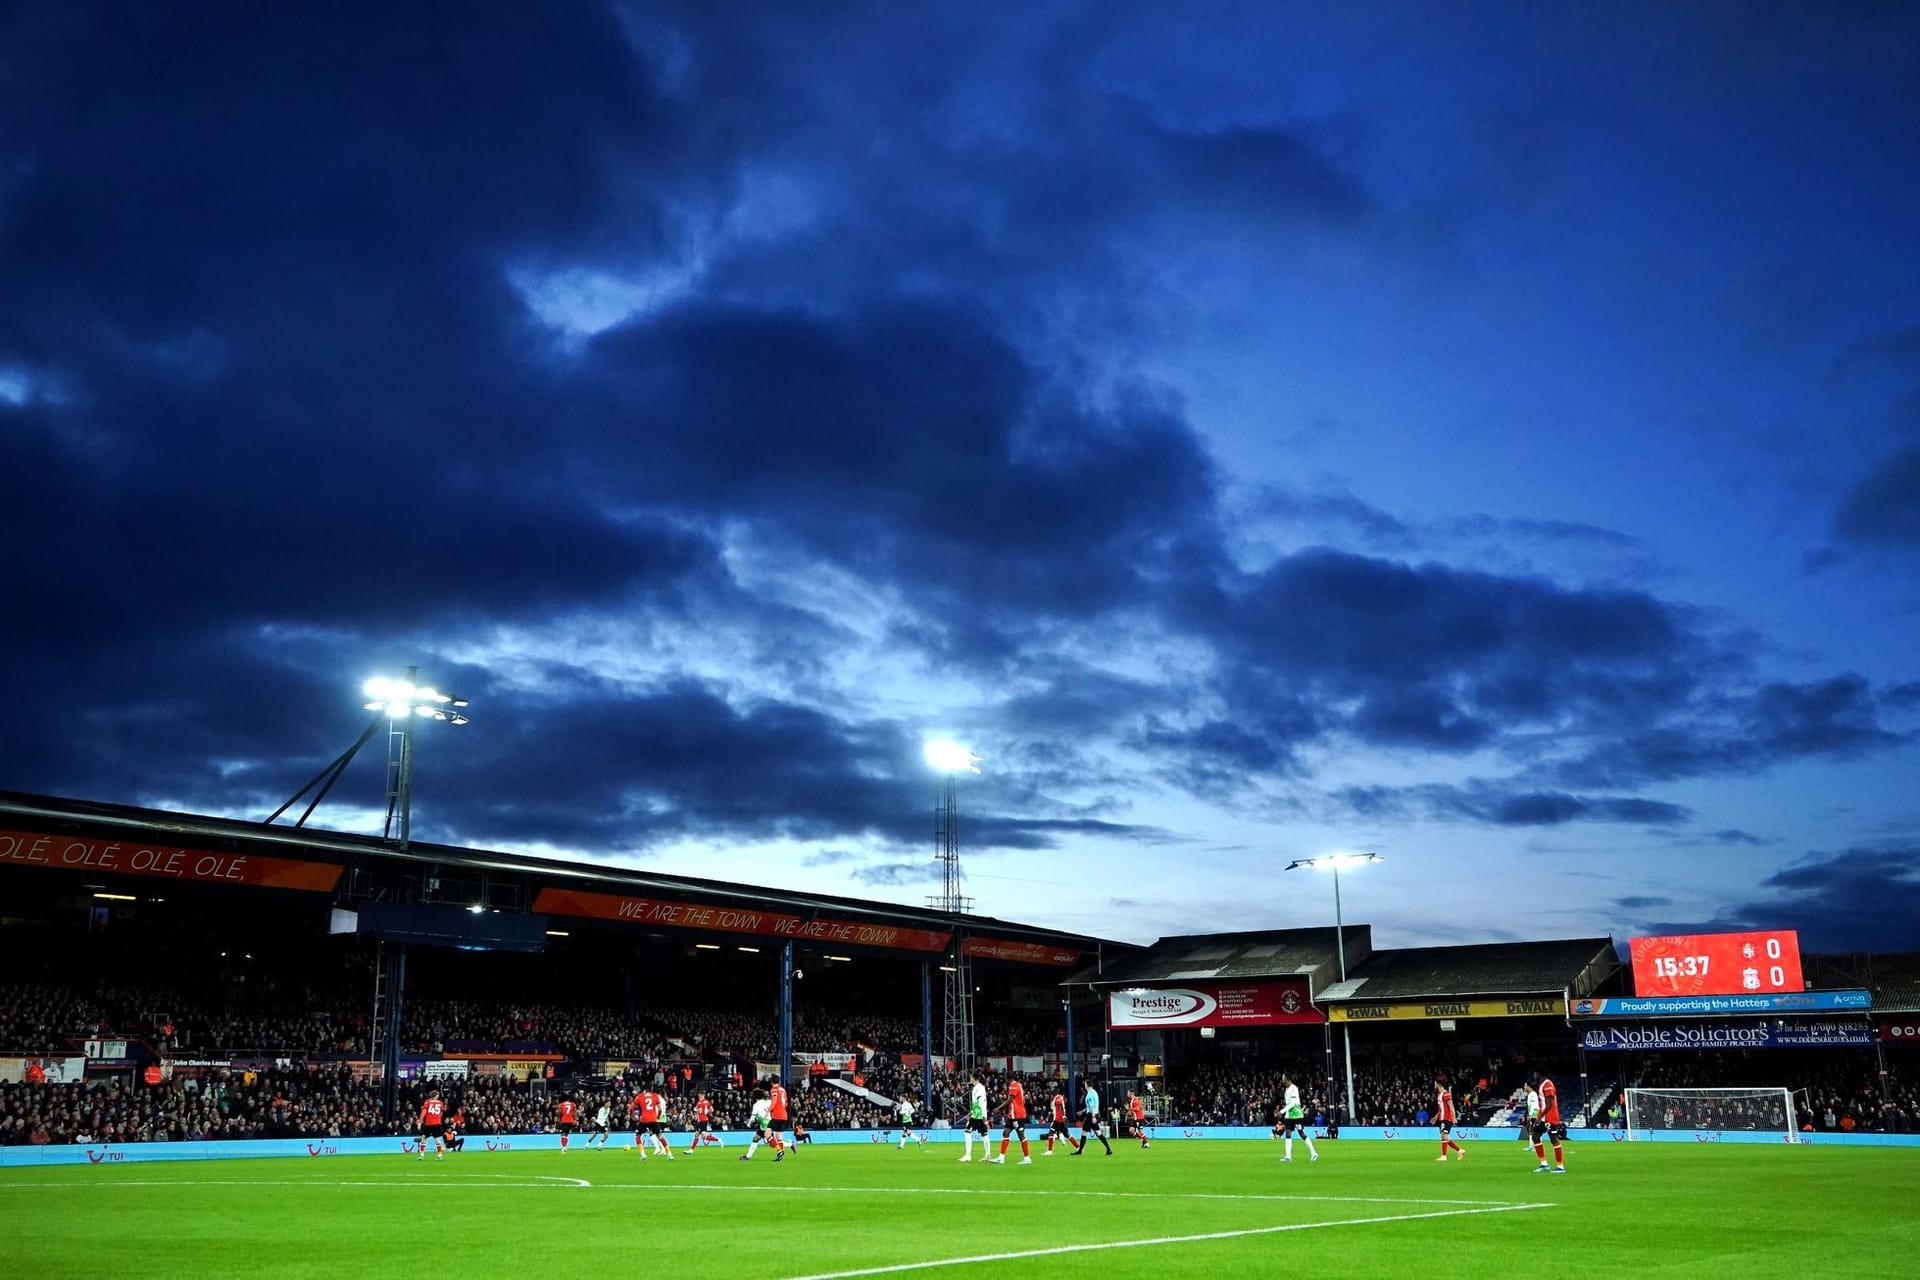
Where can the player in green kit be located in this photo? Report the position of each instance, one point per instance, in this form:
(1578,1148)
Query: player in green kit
(976,1117)
(906,1125)
(1293,1120)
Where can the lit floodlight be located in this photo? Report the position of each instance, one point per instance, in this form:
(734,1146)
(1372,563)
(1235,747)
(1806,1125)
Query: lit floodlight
(950,757)
(1334,862)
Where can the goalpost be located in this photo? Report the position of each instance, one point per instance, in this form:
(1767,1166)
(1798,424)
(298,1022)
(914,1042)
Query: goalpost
(1766,1110)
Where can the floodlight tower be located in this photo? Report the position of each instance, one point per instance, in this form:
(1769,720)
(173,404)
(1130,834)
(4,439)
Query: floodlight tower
(950,759)
(1334,862)
(403,701)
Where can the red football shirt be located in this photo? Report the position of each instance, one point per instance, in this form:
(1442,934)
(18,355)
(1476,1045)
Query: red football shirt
(652,1107)
(1445,1106)
(1016,1101)
(1059,1108)
(432,1111)
(779,1097)
(1549,1102)
(703,1110)
(1139,1109)
(566,1113)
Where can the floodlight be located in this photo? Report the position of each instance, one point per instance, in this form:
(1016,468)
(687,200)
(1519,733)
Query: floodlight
(950,757)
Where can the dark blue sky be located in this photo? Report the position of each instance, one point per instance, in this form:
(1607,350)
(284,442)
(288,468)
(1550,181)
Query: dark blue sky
(1488,436)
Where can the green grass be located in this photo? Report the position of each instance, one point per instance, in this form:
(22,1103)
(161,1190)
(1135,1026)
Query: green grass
(1367,1208)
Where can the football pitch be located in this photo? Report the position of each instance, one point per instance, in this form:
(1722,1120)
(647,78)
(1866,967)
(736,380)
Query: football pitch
(1216,1209)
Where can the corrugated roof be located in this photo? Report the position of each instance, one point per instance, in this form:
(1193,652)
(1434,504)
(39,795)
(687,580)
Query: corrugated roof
(1492,968)
(1267,953)
(1894,979)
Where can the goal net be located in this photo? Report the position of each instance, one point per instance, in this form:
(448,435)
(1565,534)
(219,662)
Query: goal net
(1768,1110)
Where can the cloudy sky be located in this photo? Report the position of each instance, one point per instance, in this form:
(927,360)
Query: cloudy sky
(1487,435)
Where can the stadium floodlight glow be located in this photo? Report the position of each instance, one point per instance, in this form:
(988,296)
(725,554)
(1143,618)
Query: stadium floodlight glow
(558,933)
(752,951)
(949,756)
(1336,862)
(843,959)
(400,698)
(706,946)
(402,702)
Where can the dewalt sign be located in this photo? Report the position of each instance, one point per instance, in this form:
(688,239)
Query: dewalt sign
(1423,1010)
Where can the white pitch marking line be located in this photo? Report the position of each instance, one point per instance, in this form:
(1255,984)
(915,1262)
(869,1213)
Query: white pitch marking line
(1025,1192)
(1158,1240)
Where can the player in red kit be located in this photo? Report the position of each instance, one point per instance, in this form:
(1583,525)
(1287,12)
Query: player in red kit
(1138,1108)
(1444,1116)
(777,1096)
(651,1128)
(1549,1125)
(567,1121)
(433,1124)
(1016,1123)
(1059,1127)
(702,1124)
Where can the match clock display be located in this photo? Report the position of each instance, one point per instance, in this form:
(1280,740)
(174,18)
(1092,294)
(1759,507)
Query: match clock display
(1717,964)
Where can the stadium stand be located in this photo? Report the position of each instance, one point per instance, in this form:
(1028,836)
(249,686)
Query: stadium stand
(259,1023)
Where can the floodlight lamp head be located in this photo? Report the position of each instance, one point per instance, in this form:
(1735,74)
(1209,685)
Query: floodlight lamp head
(948,756)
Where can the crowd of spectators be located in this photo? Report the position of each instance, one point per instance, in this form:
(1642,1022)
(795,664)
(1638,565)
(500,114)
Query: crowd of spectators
(231,1006)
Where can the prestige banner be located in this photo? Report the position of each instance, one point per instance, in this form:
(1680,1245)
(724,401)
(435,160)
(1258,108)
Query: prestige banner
(1725,1035)
(1214,1004)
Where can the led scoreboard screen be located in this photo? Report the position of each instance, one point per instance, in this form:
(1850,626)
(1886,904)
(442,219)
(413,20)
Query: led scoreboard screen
(1717,964)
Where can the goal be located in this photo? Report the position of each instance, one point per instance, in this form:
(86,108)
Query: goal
(1766,1110)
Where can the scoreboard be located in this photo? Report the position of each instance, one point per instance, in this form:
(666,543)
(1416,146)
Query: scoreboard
(1717,964)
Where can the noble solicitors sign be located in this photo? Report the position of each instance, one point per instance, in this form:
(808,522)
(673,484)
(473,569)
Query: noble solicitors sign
(1725,1035)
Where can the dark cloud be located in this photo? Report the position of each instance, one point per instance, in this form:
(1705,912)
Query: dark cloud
(1862,899)
(291,387)
(1499,806)
(1638,902)
(1883,509)
(1745,731)
(897,874)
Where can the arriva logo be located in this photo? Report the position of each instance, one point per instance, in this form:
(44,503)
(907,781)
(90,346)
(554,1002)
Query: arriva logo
(1175,1004)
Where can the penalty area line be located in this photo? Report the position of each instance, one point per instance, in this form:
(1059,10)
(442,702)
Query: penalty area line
(1054,1250)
